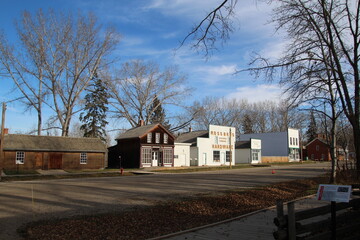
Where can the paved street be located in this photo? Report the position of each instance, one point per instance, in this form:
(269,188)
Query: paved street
(22,202)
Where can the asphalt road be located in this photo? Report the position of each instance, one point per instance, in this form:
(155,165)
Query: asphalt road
(23,202)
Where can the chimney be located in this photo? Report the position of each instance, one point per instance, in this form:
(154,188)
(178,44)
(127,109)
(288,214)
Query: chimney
(6,131)
(190,129)
(141,123)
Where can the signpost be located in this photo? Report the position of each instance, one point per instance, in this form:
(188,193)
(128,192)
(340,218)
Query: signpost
(333,193)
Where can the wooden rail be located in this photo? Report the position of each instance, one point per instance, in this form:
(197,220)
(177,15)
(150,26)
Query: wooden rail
(290,226)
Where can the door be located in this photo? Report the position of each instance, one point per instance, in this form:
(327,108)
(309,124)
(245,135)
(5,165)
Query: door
(204,159)
(222,160)
(255,156)
(155,158)
(55,161)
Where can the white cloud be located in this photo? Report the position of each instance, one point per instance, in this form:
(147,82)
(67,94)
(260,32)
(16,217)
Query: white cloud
(257,93)
(219,70)
(184,8)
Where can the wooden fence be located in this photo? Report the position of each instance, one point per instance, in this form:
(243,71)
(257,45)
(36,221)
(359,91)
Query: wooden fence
(298,225)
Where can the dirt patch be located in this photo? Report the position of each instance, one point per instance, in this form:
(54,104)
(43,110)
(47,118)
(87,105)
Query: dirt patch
(170,217)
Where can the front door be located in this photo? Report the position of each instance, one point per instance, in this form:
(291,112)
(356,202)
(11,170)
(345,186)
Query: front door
(204,159)
(155,158)
(55,161)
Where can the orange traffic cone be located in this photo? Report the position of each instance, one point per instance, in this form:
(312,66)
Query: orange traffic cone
(273,171)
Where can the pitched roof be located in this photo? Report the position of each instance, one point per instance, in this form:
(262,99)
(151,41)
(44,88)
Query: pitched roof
(140,131)
(19,142)
(242,144)
(317,139)
(191,137)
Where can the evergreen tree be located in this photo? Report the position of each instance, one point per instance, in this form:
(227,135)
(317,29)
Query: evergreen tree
(94,115)
(158,114)
(247,124)
(311,132)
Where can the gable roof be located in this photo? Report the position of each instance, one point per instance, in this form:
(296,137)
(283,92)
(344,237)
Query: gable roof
(19,142)
(317,139)
(191,137)
(242,144)
(140,131)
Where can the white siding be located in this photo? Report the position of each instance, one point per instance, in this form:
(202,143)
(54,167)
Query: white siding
(182,151)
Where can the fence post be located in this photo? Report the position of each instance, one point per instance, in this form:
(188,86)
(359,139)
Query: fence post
(291,221)
(279,210)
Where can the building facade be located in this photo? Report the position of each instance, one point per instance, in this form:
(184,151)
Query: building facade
(213,147)
(25,152)
(143,146)
(278,146)
(318,150)
(248,151)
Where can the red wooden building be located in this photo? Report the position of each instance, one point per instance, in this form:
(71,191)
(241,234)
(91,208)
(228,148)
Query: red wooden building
(143,146)
(25,152)
(318,150)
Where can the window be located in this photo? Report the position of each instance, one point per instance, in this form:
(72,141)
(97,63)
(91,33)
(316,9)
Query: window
(168,156)
(83,158)
(166,137)
(227,156)
(20,158)
(149,137)
(317,147)
(290,140)
(255,154)
(146,155)
(216,156)
(157,137)
(296,141)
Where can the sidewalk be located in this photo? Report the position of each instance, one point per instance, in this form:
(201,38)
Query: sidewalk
(258,225)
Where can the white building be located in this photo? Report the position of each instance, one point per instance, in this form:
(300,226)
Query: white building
(277,146)
(181,154)
(207,148)
(248,151)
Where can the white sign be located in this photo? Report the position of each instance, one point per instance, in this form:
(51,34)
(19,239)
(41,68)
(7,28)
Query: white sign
(336,193)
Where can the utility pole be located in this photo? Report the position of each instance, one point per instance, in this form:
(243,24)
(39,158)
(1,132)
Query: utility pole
(230,150)
(2,138)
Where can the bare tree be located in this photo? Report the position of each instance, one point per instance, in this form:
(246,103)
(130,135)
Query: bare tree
(137,84)
(216,25)
(61,53)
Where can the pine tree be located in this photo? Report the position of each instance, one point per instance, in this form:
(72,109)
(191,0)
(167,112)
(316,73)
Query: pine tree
(158,114)
(311,132)
(247,124)
(94,115)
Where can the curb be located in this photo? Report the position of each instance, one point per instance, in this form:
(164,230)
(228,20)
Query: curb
(226,220)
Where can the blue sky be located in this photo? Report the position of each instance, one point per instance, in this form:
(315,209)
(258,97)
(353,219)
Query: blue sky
(151,30)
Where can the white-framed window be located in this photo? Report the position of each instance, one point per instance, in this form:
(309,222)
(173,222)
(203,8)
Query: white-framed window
(255,154)
(146,155)
(157,137)
(290,140)
(227,156)
(83,158)
(20,158)
(216,156)
(168,156)
(149,137)
(166,138)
